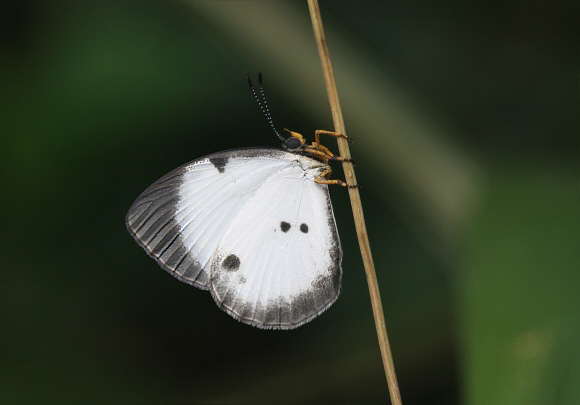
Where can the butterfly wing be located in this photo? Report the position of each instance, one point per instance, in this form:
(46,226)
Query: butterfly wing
(278,264)
(181,218)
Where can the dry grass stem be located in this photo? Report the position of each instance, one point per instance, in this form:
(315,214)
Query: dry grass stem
(356,205)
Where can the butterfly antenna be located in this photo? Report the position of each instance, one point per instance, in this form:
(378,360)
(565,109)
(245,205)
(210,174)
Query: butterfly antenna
(263,105)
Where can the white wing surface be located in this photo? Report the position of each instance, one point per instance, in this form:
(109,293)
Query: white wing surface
(253,227)
(278,264)
(180,219)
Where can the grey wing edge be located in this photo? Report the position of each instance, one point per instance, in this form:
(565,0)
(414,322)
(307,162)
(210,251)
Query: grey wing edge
(151,221)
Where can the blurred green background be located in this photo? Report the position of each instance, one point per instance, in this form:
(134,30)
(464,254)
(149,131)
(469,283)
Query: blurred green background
(465,120)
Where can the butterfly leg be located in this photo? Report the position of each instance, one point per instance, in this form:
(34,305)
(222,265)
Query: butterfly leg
(341,159)
(318,150)
(330,155)
(318,132)
(322,179)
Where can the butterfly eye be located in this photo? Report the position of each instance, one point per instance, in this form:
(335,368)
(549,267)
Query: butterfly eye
(293,143)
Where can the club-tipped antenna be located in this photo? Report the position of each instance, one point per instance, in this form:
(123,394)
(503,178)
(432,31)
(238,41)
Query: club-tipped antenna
(263,105)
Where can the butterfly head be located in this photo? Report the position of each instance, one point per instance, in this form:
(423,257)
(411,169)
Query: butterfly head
(293,143)
(297,144)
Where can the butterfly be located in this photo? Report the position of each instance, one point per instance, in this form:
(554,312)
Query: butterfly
(254,226)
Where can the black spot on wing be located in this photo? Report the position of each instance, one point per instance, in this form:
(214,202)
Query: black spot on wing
(219,163)
(283,312)
(304,228)
(292,311)
(231,263)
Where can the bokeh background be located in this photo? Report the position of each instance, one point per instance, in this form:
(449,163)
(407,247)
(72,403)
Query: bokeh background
(465,120)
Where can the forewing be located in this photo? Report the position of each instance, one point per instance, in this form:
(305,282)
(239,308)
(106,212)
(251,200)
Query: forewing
(278,265)
(181,218)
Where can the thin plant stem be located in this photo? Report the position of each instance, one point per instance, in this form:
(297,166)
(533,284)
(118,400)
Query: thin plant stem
(355,201)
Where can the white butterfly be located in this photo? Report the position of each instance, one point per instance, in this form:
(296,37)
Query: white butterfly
(253,226)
